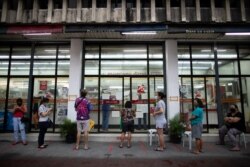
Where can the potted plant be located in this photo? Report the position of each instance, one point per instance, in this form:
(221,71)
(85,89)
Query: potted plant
(176,129)
(68,130)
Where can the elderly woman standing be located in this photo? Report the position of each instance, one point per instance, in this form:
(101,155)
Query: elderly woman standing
(160,120)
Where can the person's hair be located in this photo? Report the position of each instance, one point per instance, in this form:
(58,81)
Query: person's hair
(162,95)
(44,100)
(235,106)
(19,101)
(128,104)
(83,93)
(200,103)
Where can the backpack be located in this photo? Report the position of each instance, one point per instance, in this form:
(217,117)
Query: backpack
(83,107)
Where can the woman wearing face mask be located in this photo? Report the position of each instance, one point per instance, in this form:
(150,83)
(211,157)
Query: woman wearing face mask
(160,120)
(234,125)
(43,113)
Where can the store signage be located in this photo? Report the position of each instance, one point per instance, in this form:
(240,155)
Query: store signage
(139,101)
(43,85)
(25,29)
(111,101)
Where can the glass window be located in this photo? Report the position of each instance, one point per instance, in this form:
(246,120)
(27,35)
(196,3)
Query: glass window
(1,4)
(247,3)
(244,52)
(45,52)
(202,52)
(91,67)
(21,53)
(20,68)
(57,4)
(234,3)
(131,3)
(175,3)
(244,67)
(124,52)
(44,68)
(226,52)
(63,67)
(64,52)
(245,81)
(116,3)
(72,4)
(101,3)
(124,67)
(205,3)
(184,68)
(145,3)
(203,67)
(155,52)
(4,52)
(13,4)
(28,4)
(4,66)
(43,4)
(160,3)
(183,52)
(190,3)
(92,52)
(87,3)
(219,4)
(155,68)
(228,67)
(3,88)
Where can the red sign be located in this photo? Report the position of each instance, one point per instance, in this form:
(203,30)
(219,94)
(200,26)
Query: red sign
(111,101)
(24,29)
(43,85)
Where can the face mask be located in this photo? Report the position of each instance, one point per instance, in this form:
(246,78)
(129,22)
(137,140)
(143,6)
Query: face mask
(232,110)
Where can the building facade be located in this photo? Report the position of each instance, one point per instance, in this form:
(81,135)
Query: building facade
(123,50)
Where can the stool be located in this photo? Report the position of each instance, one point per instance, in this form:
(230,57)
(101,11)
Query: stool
(151,133)
(187,134)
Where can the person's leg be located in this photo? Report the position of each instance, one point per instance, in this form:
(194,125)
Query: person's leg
(22,131)
(144,121)
(161,139)
(222,133)
(78,135)
(122,139)
(104,119)
(43,129)
(232,133)
(86,140)
(197,146)
(15,128)
(129,139)
(201,145)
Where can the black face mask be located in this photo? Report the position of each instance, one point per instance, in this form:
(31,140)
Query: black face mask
(232,110)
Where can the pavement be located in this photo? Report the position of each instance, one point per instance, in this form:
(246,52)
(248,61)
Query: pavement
(61,154)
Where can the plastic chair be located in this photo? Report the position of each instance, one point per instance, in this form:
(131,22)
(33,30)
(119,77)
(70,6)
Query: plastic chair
(187,134)
(151,133)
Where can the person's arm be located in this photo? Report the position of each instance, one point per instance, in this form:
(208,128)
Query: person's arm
(234,119)
(46,113)
(159,111)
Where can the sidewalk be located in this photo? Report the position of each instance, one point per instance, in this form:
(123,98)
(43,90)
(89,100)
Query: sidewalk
(60,154)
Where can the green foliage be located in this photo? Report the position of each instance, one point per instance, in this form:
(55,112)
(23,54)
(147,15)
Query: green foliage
(176,127)
(68,128)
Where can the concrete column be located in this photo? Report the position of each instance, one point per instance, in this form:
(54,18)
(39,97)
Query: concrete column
(50,10)
(138,10)
(4,11)
(93,10)
(153,19)
(172,79)
(35,11)
(19,13)
(213,10)
(198,10)
(183,11)
(123,11)
(168,10)
(228,11)
(64,10)
(74,75)
(79,11)
(243,10)
(108,10)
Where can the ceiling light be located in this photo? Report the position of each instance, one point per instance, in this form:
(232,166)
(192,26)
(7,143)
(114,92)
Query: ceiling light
(238,33)
(139,33)
(30,34)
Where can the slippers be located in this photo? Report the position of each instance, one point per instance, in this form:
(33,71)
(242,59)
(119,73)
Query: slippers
(158,149)
(235,149)
(86,148)
(128,146)
(76,148)
(195,152)
(120,146)
(41,147)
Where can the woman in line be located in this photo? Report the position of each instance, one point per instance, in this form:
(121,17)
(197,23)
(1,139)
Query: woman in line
(127,115)
(18,113)
(196,125)
(43,113)
(160,120)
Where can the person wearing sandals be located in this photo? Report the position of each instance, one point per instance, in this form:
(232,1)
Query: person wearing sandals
(83,108)
(196,125)
(43,123)
(18,113)
(127,117)
(160,120)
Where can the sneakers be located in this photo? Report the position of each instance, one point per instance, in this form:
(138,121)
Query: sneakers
(235,149)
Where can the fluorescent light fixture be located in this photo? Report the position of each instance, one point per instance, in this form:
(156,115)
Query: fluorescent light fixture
(115,87)
(134,50)
(230,84)
(139,33)
(32,34)
(238,33)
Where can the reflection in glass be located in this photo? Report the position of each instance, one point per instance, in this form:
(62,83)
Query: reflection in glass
(155,52)
(92,52)
(63,67)
(245,81)
(226,52)
(124,52)
(244,67)
(4,52)
(44,68)
(183,52)
(21,53)
(4,66)
(202,52)
(20,68)
(155,68)
(228,67)
(45,52)
(3,88)
(184,67)
(91,67)
(64,52)
(244,52)
(203,67)
(123,67)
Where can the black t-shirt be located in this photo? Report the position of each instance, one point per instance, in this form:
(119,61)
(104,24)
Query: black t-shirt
(240,125)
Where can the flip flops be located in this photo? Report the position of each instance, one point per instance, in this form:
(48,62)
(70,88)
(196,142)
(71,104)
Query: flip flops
(158,149)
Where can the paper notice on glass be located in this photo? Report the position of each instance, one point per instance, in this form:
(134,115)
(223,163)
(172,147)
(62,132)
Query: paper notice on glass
(105,96)
(139,114)
(118,95)
(115,114)
(142,107)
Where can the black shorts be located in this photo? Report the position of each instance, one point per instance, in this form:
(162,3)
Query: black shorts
(127,127)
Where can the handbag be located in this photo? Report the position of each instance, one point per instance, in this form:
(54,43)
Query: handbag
(25,119)
(50,123)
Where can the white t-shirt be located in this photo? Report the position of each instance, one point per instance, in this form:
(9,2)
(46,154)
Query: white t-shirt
(43,108)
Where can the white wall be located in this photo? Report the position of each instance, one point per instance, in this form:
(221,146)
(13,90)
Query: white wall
(74,75)
(173,105)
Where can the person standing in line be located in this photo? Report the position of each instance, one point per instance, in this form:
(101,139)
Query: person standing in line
(196,125)
(18,113)
(127,115)
(160,120)
(83,108)
(105,116)
(43,123)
